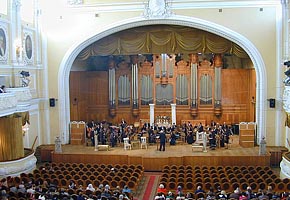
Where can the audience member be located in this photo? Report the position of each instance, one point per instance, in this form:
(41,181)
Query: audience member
(91,188)
(161,189)
(169,196)
(235,194)
(199,189)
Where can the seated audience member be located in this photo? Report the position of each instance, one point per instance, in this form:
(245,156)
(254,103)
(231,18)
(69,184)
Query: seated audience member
(243,196)
(169,196)
(259,193)
(179,192)
(249,193)
(3,195)
(126,189)
(189,196)
(222,195)
(159,196)
(161,189)
(117,191)
(80,196)
(106,193)
(72,185)
(21,188)
(264,196)
(123,197)
(91,188)
(269,192)
(199,189)
(80,188)
(210,194)
(235,194)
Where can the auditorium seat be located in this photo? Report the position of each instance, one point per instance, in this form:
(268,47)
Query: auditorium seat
(63,182)
(172,185)
(225,186)
(281,187)
(189,185)
(200,195)
(262,185)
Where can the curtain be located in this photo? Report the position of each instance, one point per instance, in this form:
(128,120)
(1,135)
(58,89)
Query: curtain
(161,39)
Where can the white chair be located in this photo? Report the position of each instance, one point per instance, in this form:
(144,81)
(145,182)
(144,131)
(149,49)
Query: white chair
(127,144)
(143,142)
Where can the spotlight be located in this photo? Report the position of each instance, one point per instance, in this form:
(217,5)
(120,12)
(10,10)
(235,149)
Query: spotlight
(287,63)
(287,81)
(25,74)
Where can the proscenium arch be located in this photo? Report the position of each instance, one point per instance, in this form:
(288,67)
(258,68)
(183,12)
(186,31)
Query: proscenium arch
(71,54)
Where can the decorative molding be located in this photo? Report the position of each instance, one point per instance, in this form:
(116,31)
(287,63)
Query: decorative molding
(285,168)
(75,2)
(3,32)
(71,54)
(16,167)
(157,9)
(28,45)
(22,93)
(16,3)
(286,99)
(8,104)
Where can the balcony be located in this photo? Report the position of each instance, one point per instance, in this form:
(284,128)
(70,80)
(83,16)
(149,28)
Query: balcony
(15,100)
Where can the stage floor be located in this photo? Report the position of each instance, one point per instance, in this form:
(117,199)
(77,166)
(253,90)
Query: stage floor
(180,149)
(154,160)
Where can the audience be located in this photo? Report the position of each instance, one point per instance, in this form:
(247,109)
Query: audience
(48,189)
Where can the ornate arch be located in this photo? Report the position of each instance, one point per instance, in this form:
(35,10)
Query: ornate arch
(71,54)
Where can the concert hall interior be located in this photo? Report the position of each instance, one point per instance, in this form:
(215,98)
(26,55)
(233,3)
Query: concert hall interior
(155,85)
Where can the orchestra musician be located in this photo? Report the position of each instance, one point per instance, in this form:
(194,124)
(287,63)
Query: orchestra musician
(123,123)
(162,138)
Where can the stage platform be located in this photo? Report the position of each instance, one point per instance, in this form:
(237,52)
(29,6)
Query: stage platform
(154,160)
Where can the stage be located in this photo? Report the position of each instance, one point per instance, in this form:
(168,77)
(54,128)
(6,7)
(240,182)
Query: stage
(154,160)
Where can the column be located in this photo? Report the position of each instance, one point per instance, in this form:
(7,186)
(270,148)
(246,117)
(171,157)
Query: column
(37,23)
(151,114)
(173,113)
(16,43)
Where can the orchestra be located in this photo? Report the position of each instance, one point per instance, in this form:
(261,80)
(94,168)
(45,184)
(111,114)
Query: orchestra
(217,135)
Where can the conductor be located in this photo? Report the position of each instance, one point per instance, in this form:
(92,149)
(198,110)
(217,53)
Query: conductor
(162,138)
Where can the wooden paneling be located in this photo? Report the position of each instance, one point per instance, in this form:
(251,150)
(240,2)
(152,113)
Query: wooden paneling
(247,134)
(89,98)
(157,163)
(45,153)
(77,134)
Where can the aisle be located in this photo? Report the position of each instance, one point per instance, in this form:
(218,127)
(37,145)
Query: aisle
(150,186)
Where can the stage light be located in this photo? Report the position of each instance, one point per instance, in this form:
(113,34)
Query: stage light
(287,73)
(287,63)
(287,81)
(25,73)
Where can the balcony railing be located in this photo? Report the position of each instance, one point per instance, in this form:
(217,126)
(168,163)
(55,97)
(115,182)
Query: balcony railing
(14,100)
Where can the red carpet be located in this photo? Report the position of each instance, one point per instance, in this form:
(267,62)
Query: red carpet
(149,187)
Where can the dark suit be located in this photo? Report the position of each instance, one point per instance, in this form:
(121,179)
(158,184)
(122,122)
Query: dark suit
(162,138)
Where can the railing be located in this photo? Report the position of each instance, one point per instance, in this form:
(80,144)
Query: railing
(14,100)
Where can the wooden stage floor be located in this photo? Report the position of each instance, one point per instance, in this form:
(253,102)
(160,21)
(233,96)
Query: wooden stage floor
(154,160)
